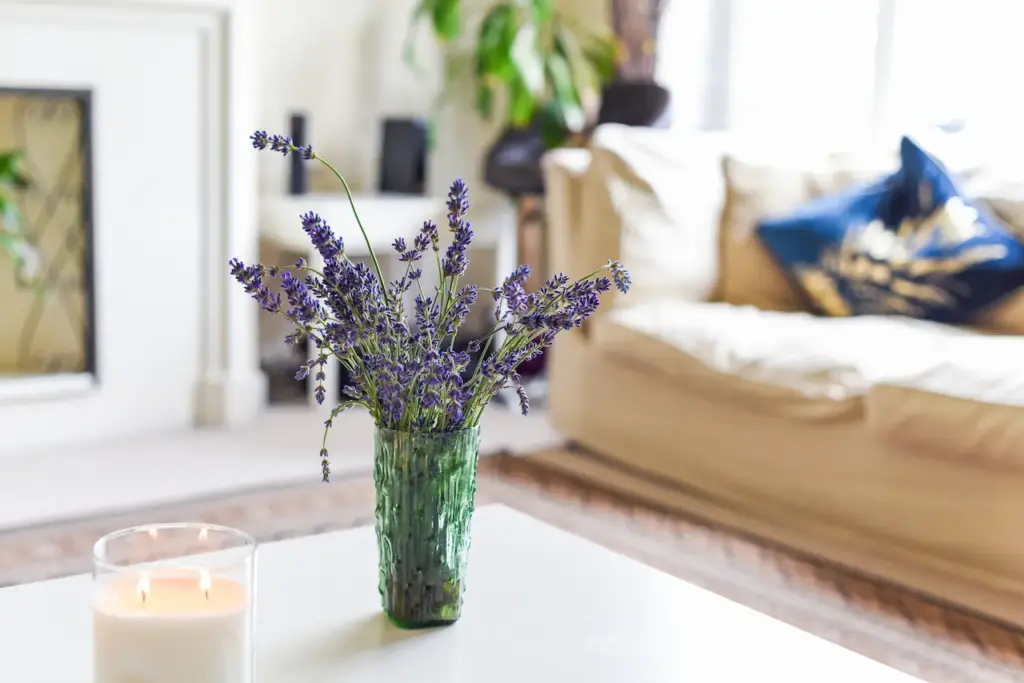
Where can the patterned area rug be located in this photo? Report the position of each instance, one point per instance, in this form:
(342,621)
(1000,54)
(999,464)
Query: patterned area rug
(934,642)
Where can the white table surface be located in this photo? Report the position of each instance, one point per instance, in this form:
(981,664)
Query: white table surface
(541,605)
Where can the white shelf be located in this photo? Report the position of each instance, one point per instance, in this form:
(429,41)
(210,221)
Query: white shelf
(384,217)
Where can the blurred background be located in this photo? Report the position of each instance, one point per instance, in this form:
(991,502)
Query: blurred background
(134,373)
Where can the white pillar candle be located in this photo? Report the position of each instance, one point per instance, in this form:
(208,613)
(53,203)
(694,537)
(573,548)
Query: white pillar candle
(171,627)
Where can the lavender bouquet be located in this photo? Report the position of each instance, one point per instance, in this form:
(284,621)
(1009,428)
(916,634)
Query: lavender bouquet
(416,385)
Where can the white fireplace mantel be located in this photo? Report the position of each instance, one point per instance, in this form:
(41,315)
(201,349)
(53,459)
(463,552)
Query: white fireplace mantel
(188,218)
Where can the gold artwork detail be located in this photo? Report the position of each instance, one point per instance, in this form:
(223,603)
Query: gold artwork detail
(885,276)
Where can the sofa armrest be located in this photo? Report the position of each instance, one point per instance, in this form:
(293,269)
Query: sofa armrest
(564,170)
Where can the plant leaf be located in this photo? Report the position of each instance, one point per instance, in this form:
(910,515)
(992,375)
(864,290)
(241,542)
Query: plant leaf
(484,101)
(566,97)
(446,15)
(527,58)
(10,217)
(9,162)
(543,11)
(603,55)
(551,128)
(12,172)
(583,74)
(494,43)
(521,104)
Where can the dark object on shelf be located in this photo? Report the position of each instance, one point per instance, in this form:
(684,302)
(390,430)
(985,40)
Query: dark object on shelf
(635,103)
(297,181)
(512,163)
(403,158)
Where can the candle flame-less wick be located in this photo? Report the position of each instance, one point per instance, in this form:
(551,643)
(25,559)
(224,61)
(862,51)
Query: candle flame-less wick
(143,587)
(205,582)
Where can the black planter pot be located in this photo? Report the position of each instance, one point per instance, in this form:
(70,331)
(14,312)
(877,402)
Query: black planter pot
(512,164)
(635,103)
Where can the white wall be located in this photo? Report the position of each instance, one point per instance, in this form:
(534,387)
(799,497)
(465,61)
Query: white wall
(192,86)
(341,63)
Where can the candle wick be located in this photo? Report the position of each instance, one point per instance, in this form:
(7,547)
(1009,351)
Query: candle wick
(207,594)
(143,593)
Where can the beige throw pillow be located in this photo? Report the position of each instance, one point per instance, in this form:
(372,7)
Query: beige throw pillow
(749,276)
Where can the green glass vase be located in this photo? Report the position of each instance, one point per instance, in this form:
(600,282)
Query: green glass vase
(425,485)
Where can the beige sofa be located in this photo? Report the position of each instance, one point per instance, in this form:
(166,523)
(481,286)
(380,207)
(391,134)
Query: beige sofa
(893,446)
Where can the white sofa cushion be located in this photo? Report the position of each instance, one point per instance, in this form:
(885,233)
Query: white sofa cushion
(793,364)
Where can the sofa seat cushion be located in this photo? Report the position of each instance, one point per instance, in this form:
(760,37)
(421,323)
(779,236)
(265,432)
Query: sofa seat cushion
(792,364)
(969,405)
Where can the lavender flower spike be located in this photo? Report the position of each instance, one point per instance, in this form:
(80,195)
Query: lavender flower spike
(280,143)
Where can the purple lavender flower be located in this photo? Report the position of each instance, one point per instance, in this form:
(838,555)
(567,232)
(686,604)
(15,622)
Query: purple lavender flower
(251,279)
(322,237)
(280,143)
(620,275)
(406,371)
(429,233)
(325,465)
(524,400)
(458,204)
(455,261)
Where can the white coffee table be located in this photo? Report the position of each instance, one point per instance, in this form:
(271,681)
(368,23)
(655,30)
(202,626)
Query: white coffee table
(541,605)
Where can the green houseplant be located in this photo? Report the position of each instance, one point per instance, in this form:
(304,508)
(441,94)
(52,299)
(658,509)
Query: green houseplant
(13,242)
(542,63)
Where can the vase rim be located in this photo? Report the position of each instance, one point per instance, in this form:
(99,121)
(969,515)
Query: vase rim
(465,430)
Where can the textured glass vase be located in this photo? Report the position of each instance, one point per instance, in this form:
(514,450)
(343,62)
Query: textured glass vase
(425,487)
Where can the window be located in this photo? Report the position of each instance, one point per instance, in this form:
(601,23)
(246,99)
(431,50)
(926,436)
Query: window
(799,64)
(955,60)
(836,64)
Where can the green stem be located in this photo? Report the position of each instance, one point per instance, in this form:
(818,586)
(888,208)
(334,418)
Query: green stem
(441,280)
(366,237)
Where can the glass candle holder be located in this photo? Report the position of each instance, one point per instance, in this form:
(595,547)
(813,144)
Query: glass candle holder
(174,603)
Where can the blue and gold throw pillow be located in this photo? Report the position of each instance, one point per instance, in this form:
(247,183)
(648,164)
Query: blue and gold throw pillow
(908,244)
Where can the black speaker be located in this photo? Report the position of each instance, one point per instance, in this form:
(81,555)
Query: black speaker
(297,182)
(403,158)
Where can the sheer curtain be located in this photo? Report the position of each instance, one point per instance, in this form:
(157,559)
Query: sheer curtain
(956,61)
(802,64)
(805,65)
